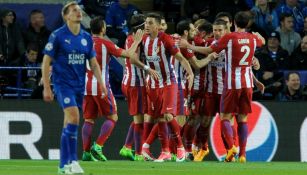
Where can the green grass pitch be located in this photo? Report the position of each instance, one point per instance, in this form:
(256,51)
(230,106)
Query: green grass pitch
(45,167)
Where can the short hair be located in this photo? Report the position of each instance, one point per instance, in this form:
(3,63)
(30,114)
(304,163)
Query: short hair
(66,7)
(97,24)
(35,11)
(32,46)
(205,27)
(224,14)
(220,22)
(242,19)
(136,22)
(183,25)
(156,16)
(199,22)
(292,72)
(283,16)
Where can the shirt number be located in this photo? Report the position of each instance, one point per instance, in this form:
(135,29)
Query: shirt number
(246,51)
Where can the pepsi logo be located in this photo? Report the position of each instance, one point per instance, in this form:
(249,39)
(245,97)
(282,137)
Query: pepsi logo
(262,138)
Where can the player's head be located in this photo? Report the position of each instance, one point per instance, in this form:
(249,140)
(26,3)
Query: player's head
(219,28)
(186,28)
(98,26)
(136,22)
(205,30)
(72,12)
(152,23)
(242,19)
(163,25)
(227,17)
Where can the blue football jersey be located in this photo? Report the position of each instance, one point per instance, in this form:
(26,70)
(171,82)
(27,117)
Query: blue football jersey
(69,53)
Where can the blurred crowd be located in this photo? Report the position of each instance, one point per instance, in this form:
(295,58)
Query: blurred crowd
(282,22)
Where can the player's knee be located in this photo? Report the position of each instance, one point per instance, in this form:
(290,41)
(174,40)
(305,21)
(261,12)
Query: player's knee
(242,118)
(113,117)
(92,121)
(148,118)
(139,118)
(168,117)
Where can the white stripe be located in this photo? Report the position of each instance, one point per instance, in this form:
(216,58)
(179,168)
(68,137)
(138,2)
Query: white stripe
(86,82)
(166,66)
(196,79)
(247,76)
(210,78)
(132,75)
(220,84)
(229,62)
(238,77)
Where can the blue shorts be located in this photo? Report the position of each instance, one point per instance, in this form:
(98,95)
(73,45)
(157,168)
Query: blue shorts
(68,97)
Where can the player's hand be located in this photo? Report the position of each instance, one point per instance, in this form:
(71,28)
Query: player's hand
(47,94)
(255,63)
(259,37)
(153,74)
(190,79)
(104,91)
(184,43)
(138,35)
(213,56)
(260,86)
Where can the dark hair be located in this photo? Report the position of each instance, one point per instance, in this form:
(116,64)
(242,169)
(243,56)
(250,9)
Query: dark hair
(283,16)
(97,24)
(32,46)
(292,72)
(35,11)
(156,16)
(136,22)
(205,27)
(224,14)
(220,22)
(242,19)
(183,25)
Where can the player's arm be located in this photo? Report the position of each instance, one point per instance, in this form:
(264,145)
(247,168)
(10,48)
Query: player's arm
(199,49)
(97,72)
(47,93)
(260,86)
(185,64)
(198,64)
(137,40)
(255,63)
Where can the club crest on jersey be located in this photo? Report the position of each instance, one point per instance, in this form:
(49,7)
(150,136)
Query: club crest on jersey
(49,46)
(84,42)
(66,100)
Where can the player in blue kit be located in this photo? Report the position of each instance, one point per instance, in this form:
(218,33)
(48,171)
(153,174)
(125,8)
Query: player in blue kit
(67,50)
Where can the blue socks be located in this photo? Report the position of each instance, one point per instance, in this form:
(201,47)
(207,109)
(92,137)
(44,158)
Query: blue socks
(68,146)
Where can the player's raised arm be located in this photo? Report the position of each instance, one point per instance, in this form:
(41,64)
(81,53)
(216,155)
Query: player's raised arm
(199,49)
(198,64)
(47,93)
(185,64)
(97,72)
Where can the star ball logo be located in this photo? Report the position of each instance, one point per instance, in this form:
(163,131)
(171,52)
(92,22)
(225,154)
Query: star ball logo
(262,138)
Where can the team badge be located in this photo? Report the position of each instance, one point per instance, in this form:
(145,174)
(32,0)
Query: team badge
(49,46)
(66,100)
(84,42)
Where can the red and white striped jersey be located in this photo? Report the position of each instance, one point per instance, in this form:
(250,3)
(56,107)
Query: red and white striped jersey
(158,53)
(239,48)
(180,72)
(104,49)
(200,75)
(133,76)
(216,73)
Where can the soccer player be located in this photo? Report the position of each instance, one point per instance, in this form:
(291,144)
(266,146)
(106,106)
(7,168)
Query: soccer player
(237,93)
(95,106)
(163,92)
(68,49)
(134,89)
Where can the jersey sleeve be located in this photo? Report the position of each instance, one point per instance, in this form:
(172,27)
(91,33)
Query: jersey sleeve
(187,53)
(170,44)
(258,41)
(114,49)
(51,46)
(221,44)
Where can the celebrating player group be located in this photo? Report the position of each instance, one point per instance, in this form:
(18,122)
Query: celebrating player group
(174,85)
